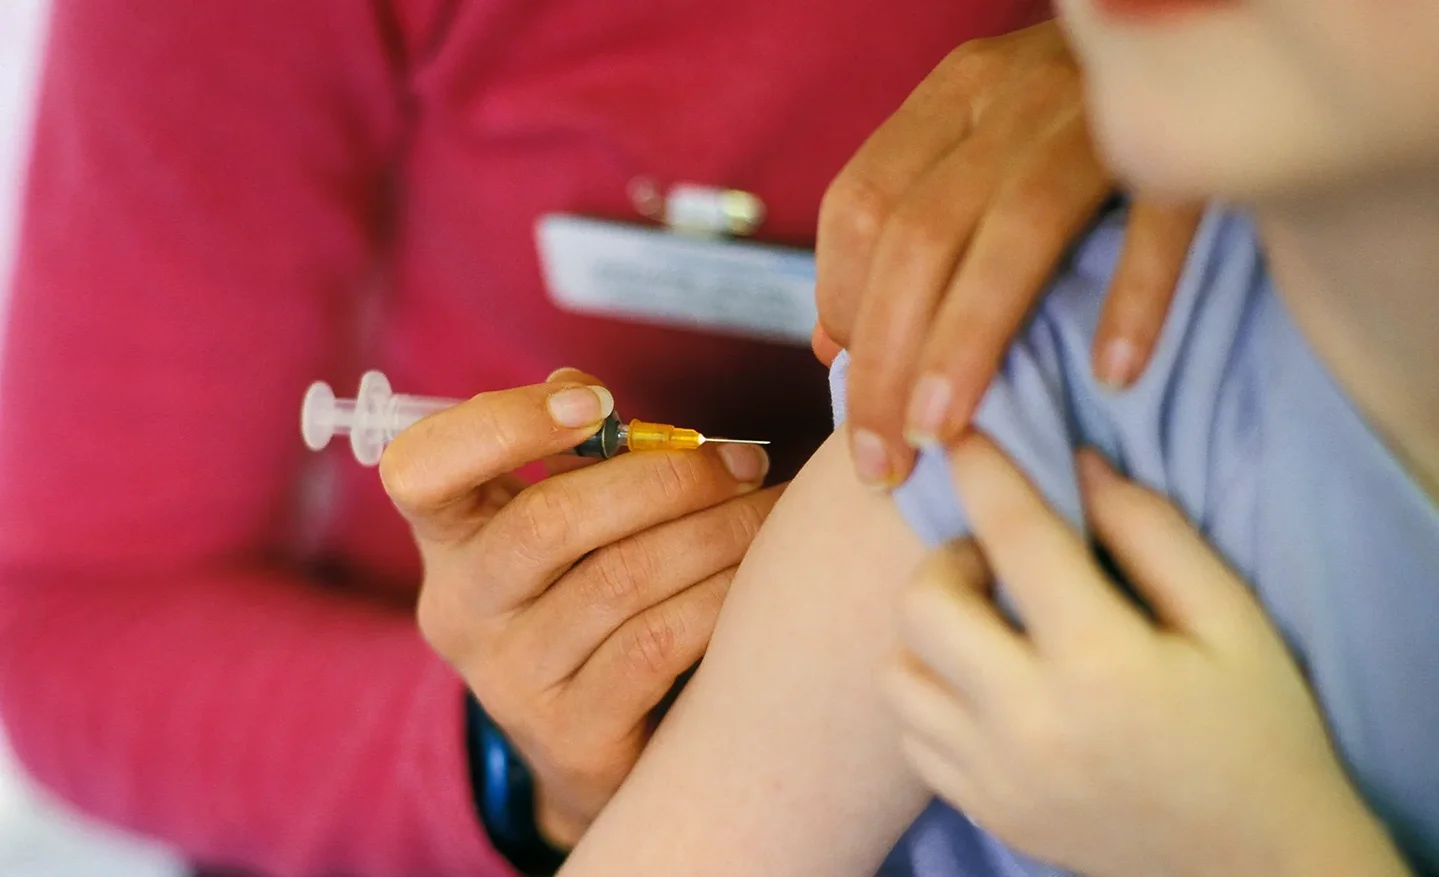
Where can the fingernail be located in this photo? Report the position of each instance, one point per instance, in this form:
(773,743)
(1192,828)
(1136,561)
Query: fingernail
(871,459)
(1117,363)
(928,408)
(747,464)
(580,406)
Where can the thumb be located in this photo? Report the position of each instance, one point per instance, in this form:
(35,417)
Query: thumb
(561,463)
(1186,584)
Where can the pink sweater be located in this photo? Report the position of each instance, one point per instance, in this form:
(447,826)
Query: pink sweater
(205,632)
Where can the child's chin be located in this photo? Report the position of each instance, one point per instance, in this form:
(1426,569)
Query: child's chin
(1148,156)
(1165,152)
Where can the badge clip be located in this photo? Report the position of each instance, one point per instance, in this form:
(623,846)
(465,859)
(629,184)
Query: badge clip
(692,208)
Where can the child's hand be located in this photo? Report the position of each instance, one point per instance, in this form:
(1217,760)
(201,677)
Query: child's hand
(1099,739)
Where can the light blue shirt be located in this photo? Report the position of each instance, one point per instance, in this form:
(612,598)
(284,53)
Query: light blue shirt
(1241,425)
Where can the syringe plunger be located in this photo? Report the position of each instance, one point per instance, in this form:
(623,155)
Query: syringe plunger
(372,419)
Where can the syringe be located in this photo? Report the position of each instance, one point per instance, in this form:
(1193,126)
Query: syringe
(377,414)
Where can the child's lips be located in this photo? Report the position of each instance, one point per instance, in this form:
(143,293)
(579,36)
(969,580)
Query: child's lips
(1144,10)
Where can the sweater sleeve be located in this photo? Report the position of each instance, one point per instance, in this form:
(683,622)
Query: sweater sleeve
(205,204)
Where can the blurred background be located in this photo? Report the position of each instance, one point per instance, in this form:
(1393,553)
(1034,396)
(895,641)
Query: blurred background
(38,837)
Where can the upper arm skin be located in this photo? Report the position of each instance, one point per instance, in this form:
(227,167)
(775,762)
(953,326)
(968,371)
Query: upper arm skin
(780,758)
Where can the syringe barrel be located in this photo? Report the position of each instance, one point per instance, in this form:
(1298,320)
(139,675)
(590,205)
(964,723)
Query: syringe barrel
(381,414)
(405,411)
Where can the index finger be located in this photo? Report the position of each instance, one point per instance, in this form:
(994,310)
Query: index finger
(1062,596)
(1045,201)
(433,469)
(857,204)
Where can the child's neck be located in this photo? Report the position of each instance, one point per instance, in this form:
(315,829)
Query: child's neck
(1360,273)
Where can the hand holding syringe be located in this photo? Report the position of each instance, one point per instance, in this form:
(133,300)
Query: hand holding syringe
(377,414)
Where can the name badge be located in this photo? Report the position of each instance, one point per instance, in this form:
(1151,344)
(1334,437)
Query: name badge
(653,275)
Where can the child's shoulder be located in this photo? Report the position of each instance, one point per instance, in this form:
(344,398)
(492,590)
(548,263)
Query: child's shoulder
(1045,402)
(1224,267)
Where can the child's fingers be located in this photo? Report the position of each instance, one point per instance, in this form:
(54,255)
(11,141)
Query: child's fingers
(941,774)
(1062,597)
(1185,583)
(940,734)
(949,622)
(928,707)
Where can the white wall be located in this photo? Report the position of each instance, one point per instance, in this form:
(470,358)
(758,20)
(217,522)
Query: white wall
(20,24)
(39,837)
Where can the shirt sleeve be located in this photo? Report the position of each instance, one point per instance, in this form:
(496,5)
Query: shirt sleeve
(205,202)
(1044,404)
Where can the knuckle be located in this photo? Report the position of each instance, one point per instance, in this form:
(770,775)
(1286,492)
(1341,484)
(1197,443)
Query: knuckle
(672,477)
(917,232)
(419,469)
(653,641)
(974,61)
(499,432)
(621,571)
(730,528)
(536,522)
(746,519)
(856,207)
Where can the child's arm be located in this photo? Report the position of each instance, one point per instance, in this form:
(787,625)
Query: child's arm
(780,758)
